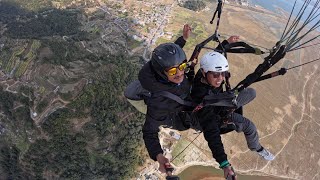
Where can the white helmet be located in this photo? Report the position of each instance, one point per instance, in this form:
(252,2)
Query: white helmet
(214,61)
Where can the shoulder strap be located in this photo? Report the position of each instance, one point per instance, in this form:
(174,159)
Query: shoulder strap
(135,91)
(175,98)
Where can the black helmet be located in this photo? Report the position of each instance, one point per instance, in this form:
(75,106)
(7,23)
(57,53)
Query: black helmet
(165,56)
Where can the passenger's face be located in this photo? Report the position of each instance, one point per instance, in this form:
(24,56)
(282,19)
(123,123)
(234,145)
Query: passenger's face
(175,73)
(216,78)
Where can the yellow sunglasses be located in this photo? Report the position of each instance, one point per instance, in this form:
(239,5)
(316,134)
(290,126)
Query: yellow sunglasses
(173,71)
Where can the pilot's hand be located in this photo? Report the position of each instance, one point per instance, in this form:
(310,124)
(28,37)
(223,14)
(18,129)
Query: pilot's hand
(162,162)
(186,31)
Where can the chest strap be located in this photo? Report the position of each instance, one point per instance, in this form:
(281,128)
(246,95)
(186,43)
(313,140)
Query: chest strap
(175,98)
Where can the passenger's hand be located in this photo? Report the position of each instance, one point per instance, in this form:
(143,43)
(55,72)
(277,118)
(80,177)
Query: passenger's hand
(229,173)
(233,39)
(186,31)
(162,162)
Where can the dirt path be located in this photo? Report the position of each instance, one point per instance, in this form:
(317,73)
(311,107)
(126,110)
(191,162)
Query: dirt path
(54,105)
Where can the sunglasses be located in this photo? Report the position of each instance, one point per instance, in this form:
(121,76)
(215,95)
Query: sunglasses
(218,74)
(173,71)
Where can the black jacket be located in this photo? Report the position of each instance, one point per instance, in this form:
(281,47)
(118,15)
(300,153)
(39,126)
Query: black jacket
(209,117)
(162,110)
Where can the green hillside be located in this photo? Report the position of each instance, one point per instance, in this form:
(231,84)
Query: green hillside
(63,113)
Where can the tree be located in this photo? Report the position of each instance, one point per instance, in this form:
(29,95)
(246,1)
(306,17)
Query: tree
(194,5)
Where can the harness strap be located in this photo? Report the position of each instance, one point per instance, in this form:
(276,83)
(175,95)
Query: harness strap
(226,99)
(175,98)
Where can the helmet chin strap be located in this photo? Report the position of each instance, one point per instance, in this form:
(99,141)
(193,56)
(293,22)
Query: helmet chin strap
(227,82)
(204,78)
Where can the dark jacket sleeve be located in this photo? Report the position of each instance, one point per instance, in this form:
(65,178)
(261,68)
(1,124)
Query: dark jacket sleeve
(190,74)
(151,140)
(219,47)
(180,41)
(208,121)
(151,126)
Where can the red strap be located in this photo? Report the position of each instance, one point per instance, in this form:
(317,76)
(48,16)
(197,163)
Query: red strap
(197,108)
